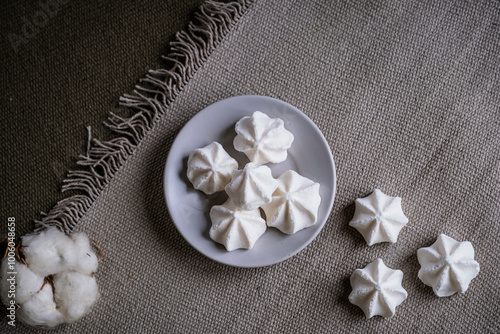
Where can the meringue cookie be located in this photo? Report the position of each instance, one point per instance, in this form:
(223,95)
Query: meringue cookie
(235,228)
(210,167)
(379,218)
(251,187)
(448,266)
(295,203)
(377,289)
(262,139)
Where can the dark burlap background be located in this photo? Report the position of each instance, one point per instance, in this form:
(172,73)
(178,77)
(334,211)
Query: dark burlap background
(406,94)
(68,74)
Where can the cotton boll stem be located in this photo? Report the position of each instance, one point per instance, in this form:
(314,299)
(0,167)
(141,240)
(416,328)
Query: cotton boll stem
(98,247)
(19,254)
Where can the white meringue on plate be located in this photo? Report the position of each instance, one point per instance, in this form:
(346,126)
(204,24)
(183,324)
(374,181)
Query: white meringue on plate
(448,266)
(236,228)
(210,168)
(295,203)
(262,139)
(251,187)
(378,217)
(377,289)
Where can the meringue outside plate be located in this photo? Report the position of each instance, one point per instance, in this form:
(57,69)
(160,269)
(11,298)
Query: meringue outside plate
(310,156)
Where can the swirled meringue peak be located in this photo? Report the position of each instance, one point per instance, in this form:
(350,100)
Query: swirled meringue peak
(448,266)
(210,168)
(251,187)
(262,139)
(236,228)
(295,203)
(377,289)
(379,218)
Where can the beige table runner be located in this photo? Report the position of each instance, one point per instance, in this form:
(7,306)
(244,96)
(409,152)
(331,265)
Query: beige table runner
(407,96)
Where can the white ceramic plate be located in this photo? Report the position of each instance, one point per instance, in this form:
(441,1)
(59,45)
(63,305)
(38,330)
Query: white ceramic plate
(309,155)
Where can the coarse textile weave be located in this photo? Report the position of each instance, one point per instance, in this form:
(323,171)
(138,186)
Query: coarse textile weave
(66,73)
(407,95)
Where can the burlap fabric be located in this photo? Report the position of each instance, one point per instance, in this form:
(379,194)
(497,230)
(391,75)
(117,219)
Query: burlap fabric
(407,96)
(64,66)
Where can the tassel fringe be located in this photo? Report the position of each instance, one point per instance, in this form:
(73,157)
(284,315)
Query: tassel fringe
(148,102)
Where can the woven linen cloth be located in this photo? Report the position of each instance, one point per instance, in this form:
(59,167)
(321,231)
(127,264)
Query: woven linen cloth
(407,95)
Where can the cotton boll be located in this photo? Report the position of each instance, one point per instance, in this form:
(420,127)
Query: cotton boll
(54,262)
(40,310)
(49,252)
(75,294)
(86,258)
(27,282)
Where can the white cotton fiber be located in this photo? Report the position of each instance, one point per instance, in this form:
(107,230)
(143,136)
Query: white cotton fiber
(86,258)
(49,252)
(27,282)
(75,294)
(64,263)
(40,310)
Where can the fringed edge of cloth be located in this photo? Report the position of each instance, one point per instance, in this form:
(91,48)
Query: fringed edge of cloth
(148,102)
